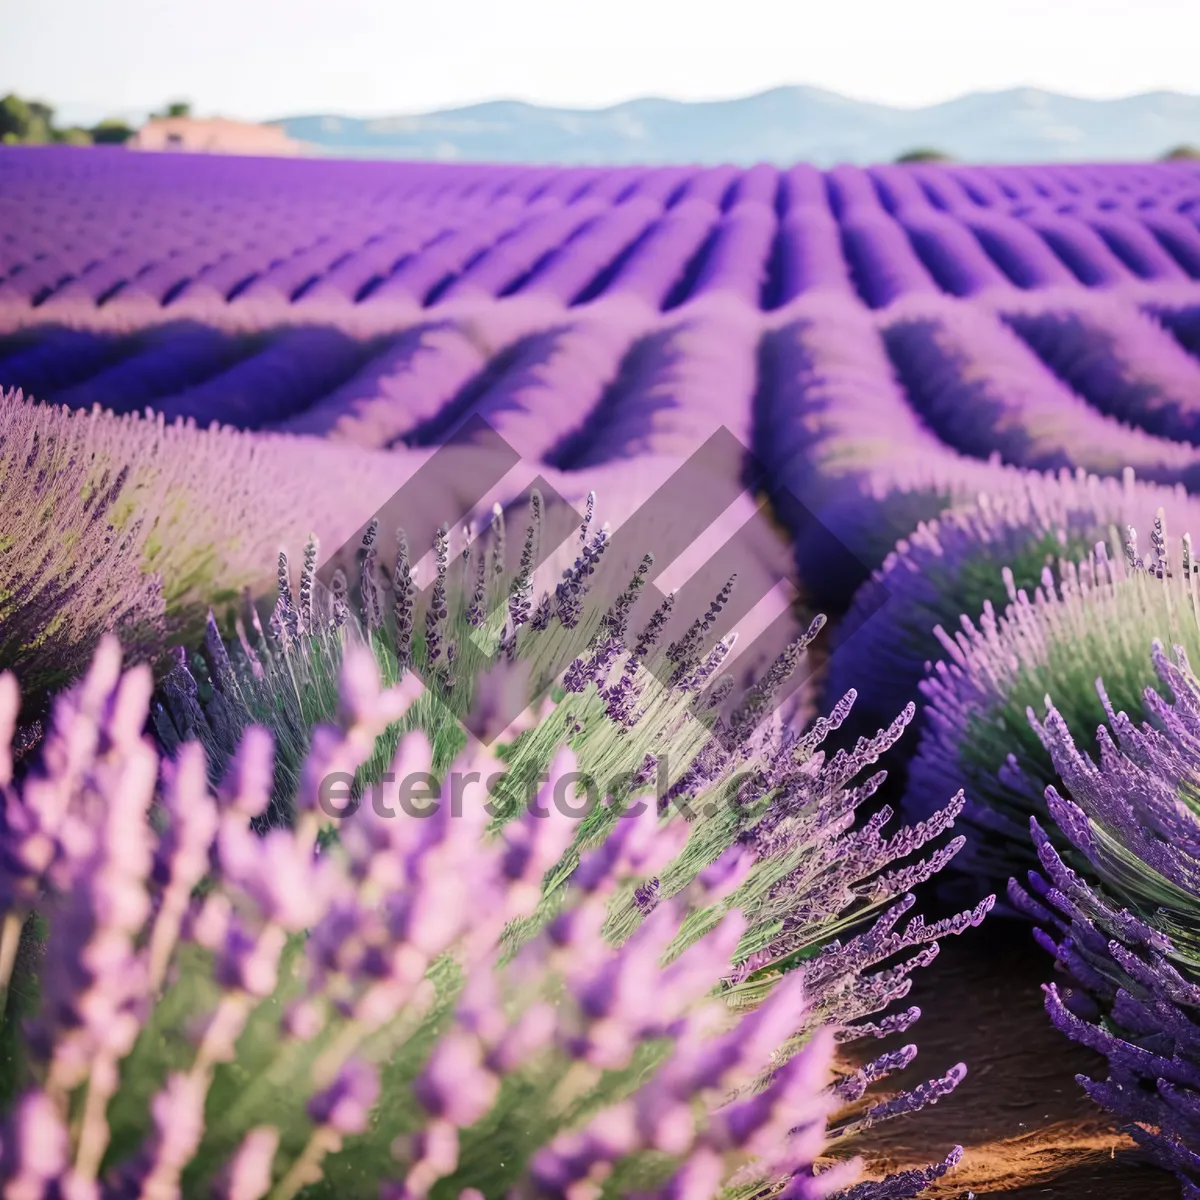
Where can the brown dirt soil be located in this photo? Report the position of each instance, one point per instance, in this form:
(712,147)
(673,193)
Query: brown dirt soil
(1028,1129)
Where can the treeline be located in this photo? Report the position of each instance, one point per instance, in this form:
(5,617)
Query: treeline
(1184,153)
(31,123)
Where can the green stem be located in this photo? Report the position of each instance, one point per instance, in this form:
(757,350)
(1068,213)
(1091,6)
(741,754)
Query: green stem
(10,940)
(94,1133)
(307,1168)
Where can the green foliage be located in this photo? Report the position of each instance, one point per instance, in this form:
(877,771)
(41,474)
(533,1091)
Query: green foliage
(1184,153)
(26,122)
(111,132)
(31,123)
(924,154)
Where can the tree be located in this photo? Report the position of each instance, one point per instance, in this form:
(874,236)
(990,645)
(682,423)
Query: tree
(14,116)
(1184,153)
(924,154)
(111,132)
(41,124)
(177,108)
(31,123)
(25,120)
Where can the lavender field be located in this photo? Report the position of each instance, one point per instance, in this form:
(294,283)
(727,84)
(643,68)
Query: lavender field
(836,500)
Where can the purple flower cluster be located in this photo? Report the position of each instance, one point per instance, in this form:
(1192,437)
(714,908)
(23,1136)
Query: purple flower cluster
(74,562)
(886,642)
(1085,620)
(1122,924)
(644,1030)
(203,511)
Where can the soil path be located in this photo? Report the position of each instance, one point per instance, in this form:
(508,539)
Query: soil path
(1028,1129)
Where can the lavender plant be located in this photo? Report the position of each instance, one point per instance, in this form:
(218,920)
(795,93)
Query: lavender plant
(1087,620)
(480,615)
(953,565)
(110,522)
(643,710)
(1121,912)
(447,1006)
(82,573)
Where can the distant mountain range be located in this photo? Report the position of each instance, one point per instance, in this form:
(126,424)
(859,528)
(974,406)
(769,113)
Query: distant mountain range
(784,125)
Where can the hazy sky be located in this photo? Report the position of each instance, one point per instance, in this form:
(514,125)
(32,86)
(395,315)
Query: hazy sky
(266,58)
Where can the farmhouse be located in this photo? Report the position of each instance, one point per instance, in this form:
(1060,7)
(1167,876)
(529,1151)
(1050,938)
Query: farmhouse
(213,136)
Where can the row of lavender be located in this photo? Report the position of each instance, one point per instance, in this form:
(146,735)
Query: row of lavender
(131,234)
(1077,380)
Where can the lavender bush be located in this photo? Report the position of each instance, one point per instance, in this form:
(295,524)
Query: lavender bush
(982,389)
(1083,621)
(152,485)
(955,564)
(458,1006)
(850,468)
(1122,921)
(484,604)
(71,566)
(651,712)
(130,523)
(1122,360)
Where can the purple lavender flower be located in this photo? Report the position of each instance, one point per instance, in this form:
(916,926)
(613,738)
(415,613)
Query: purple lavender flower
(403,604)
(477,610)
(368,577)
(682,653)
(499,546)
(1122,927)
(1082,622)
(520,599)
(436,613)
(568,595)
(955,564)
(345,1105)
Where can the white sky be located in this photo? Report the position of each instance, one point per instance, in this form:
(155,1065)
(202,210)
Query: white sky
(258,59)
